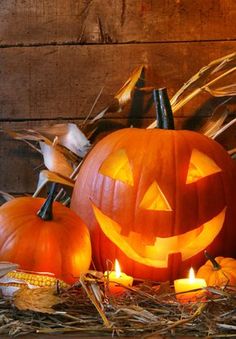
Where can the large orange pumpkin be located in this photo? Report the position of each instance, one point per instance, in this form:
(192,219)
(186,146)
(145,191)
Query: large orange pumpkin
(156,199)
(56,242)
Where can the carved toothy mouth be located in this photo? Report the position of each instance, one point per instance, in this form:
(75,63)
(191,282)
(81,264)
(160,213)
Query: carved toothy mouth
(188,244)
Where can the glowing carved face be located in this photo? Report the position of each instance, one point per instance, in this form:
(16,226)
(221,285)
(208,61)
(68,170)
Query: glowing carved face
(155,252)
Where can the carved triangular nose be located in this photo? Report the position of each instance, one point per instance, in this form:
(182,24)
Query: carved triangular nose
(154,199)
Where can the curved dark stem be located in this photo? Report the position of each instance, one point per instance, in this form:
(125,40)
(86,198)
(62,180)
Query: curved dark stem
(164,114)
(215,264)
(45,211)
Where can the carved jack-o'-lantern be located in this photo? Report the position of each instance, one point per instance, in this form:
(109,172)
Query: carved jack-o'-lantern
(156,199)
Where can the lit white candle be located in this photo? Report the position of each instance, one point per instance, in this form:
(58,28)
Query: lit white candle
(118,277)
(188,284)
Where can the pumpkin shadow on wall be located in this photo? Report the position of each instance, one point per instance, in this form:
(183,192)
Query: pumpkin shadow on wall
(137,110)
(217,107)
(214,105)
(132,114)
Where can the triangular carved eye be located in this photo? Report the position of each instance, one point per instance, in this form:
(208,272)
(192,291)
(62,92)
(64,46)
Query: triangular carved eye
(117,167)
(154,199)
(200,166)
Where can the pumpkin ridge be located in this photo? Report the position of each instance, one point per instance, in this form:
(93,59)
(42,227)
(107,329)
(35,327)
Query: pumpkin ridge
(191,145)
(18,228)
(175,226)
(138,187)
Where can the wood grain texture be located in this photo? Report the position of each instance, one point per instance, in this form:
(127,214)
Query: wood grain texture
(63,81)
(20,164)
(56,55)
(120,21)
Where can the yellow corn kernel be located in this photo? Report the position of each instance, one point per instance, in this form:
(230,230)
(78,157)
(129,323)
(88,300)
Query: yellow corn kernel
(35,279)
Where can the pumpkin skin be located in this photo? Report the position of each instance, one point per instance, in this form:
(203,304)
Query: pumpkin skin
(158,160)
(225,274)
(60,246)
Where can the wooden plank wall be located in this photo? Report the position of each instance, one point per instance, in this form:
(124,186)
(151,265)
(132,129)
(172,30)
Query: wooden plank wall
(56,55)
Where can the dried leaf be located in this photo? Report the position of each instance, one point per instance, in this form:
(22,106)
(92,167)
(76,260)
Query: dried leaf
(224,128)
(227,327)
(6,196)
(6,267)
(70,136)
(124,94)
(229,90)
(232,151)
(93,105)
(97,293)
(95,302)
(95,274)
(204,80)
(9,285)
(46,176)
(100,115)
(216,121)
(37,300)
(233,156)
(27,134)
(55,161)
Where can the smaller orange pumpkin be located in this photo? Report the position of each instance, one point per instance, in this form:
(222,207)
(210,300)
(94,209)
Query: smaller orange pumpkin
(220,271)
(44,236)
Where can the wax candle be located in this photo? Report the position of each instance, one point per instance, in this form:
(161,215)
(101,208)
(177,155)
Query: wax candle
(188,284)
(117,279)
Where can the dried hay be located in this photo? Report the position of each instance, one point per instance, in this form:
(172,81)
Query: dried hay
(147,309)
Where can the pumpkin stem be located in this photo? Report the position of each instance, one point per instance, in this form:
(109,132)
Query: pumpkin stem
(45,211)
(215,264)
(164,114)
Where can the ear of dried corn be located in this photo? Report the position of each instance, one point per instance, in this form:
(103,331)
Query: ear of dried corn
(17,279)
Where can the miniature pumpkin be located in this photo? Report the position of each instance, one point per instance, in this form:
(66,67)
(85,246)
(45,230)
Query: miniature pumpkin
(57,242)
(218,271)
(156,199)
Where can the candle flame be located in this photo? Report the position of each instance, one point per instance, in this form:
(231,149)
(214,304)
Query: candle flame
(191,274)
(117,269)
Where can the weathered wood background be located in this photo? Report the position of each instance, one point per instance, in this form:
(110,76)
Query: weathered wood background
(56,55)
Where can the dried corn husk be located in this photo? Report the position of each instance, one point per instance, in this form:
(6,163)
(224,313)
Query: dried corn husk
(6,267)
(46,176)
(216,121)
(6,196)
(55,161)
(13,280)
(70,136)
(123,96)
(206,80)
(38,300)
